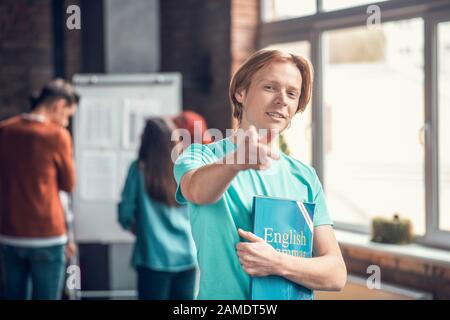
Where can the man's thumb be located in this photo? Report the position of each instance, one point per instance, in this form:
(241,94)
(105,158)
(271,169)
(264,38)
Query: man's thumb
(249,236)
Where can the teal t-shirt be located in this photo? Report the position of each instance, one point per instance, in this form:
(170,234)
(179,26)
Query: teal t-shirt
(214,226)
(163,233)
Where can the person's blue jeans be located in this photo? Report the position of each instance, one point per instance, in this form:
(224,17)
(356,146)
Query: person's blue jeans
(36,273)
(161,285)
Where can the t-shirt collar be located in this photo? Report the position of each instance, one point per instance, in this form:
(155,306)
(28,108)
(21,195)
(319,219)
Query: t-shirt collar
(34,117)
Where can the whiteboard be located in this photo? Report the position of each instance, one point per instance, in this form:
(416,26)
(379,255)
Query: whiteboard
(106,130)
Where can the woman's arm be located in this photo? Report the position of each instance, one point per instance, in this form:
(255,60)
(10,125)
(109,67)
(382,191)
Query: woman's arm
(126,209)
(208,183)
(326,271)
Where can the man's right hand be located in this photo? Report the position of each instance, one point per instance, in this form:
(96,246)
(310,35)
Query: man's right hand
(253,151)
(206,184)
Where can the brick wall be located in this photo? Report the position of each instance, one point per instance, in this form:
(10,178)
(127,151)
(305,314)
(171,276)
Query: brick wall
(205,40)
(245,17)
(26,52)
(72,46)
(428,276)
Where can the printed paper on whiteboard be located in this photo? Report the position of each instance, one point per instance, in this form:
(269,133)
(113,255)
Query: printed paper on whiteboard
(136,111)
(97,122)
(98,172)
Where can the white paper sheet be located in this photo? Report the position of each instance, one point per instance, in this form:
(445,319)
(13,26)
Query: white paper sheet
(98,122)
(135,113)
(98,172)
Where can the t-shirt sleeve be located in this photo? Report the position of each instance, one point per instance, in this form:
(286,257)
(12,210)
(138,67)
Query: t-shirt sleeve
(195,156)
(321,212)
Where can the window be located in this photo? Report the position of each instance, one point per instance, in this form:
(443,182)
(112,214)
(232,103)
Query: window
(329,5)
(287,9)
(444,131)
(374,91)
(373,122)
(298,136)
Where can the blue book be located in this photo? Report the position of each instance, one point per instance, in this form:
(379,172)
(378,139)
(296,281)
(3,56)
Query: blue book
(287,225)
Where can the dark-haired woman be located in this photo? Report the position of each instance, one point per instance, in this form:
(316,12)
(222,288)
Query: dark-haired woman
(164,252)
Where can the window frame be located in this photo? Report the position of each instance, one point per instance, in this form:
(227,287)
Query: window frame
(311,28)
(433,235)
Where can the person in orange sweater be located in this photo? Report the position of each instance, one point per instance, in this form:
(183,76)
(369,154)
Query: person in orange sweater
(35,164)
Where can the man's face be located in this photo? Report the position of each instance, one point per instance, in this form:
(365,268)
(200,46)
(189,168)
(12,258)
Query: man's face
(272,97)
(62,111)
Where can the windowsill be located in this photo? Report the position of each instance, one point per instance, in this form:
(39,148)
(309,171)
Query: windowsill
(415,251)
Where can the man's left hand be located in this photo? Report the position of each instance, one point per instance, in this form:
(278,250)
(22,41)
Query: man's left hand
(257,257)
(70,250)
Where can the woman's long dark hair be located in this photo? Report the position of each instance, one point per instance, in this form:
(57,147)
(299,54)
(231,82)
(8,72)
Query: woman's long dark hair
(155,157)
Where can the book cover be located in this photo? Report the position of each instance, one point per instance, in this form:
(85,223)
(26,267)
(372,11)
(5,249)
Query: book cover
(287,225)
